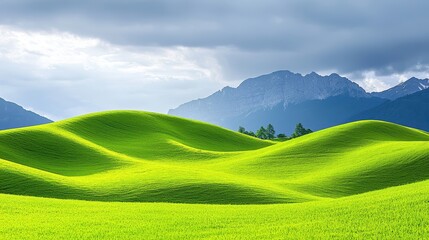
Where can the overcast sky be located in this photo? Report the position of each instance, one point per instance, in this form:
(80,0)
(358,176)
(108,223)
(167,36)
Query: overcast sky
(64,58)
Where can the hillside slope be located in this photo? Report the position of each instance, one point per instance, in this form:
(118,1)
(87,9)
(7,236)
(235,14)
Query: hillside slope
(148,157)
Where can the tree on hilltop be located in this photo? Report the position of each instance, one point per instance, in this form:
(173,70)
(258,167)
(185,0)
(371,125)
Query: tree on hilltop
(270,132)
(262,133)
(241,130)
(300,131)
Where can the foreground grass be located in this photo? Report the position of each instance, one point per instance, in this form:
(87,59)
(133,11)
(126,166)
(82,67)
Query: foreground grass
(393,213)
(192,180)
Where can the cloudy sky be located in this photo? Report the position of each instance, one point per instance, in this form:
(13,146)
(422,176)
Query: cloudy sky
(64,58)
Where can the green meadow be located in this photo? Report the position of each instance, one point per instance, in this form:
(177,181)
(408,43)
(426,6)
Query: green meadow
(140,175)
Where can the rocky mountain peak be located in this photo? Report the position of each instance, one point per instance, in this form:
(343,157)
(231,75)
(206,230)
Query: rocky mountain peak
(408,87)
(264,92)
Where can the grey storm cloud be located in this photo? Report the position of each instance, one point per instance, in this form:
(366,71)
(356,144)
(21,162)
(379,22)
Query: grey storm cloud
(156,54)
(348,36)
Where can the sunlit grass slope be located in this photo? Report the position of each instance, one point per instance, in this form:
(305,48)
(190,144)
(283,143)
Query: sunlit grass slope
(393,213)
(148,157)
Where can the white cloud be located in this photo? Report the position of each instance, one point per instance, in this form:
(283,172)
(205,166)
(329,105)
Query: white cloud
(372,82)
(63,75)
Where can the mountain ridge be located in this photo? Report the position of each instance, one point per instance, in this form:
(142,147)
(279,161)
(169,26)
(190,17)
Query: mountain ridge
(410,110)
(13,115)
(266,91)
(407,87)
(255,101)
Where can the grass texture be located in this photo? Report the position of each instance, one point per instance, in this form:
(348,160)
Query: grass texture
(393,213)
(190,179)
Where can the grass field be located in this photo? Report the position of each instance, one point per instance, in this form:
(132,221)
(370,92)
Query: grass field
(188,179)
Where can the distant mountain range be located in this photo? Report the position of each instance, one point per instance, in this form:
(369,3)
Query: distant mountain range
(278,90)
(410,86)
(284,98)
(411,110)
(13,116)
(314,114)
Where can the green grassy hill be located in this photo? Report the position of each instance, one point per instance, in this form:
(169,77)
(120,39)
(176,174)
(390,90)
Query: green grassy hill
(360,168)
(148,157)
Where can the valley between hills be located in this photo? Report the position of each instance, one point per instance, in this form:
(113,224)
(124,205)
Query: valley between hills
(133,175)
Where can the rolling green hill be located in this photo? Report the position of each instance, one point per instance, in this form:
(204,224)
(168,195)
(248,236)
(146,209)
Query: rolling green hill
(131,156)
(148,157)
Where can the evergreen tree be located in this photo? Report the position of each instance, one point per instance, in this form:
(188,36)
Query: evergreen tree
(300,131)
(261,133)
(242,130)
(270,132)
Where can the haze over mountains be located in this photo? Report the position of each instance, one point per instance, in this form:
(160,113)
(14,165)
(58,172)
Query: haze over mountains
(411,110)
(13,116)
(284,98)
